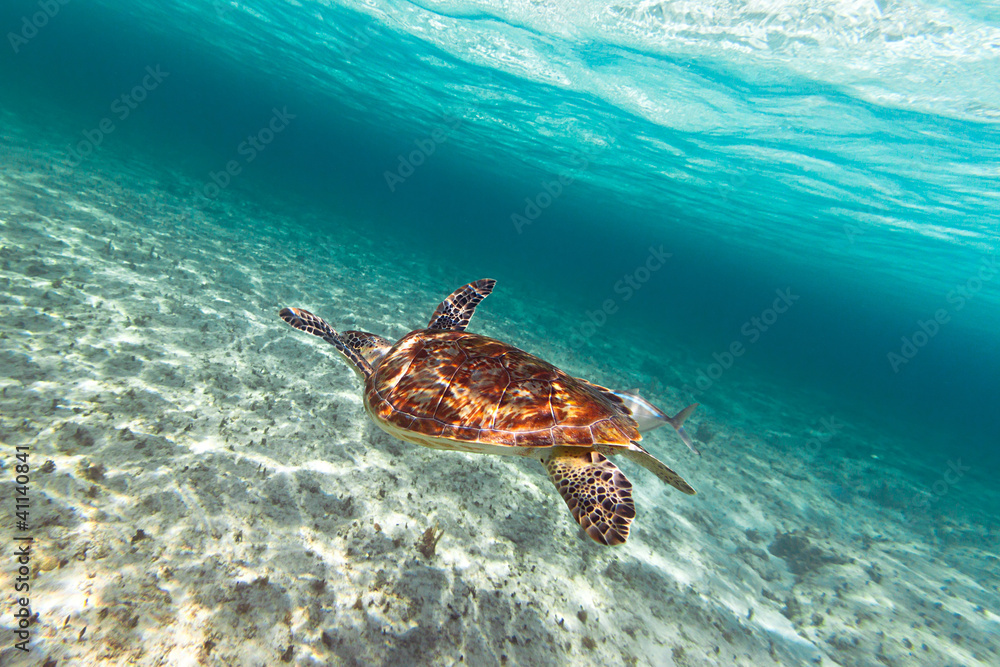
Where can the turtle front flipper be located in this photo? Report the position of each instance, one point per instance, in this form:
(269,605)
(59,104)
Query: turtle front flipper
(596,491)
(371,346)
(636,453)
(454,313)
(303,320)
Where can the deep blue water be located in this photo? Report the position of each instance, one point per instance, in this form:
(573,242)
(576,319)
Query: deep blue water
(845,154)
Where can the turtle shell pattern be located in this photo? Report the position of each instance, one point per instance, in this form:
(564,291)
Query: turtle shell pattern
(470,388)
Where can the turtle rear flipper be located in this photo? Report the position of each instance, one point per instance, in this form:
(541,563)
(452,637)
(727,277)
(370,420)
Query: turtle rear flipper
(303,320)
(636,453)
(458,308)
(596,491)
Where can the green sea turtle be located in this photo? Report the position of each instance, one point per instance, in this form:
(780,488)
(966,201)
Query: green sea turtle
(446,388)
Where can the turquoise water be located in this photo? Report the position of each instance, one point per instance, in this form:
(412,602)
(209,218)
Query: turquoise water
(844,154)
(784,211)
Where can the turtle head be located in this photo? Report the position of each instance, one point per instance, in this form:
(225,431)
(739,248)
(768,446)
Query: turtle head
(370,346)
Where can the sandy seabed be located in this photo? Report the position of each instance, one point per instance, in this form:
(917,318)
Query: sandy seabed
(206,488)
